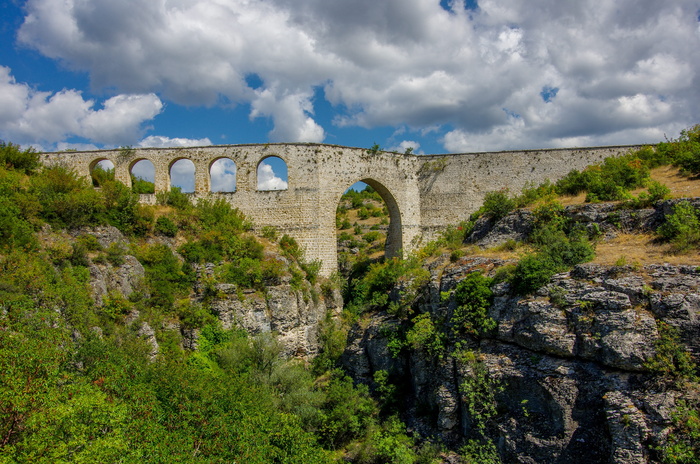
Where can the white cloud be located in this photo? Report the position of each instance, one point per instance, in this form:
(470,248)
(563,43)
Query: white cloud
(182,175)
(291,115)
(405,145)
(622,67)
(160,141)
(223,175)
(267,180)
(31,116)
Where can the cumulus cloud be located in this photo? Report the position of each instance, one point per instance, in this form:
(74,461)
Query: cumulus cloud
(31,116)
(622,68)
(223,175)
(160,141)
(182,175)
(406,145)
(267,180)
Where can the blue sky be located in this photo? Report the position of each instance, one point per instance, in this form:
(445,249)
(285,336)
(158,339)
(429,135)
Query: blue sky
(437,75)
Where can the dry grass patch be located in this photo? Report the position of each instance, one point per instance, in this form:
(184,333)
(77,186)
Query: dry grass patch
(681,186)
(640,249)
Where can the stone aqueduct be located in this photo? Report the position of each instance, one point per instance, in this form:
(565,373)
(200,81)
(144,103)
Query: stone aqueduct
(424,193)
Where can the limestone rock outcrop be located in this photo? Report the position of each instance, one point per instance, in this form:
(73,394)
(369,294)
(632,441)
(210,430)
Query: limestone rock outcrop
(570,361)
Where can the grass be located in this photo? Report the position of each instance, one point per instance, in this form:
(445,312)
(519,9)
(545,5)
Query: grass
(642,249)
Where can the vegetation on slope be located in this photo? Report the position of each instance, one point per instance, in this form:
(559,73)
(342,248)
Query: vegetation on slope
(555,244)
(79,381)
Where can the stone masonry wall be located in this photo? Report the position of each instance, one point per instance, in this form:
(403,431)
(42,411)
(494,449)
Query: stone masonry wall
(423,193)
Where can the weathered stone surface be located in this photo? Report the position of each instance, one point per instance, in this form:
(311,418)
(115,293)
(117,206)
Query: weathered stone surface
(424,194)
(291,314)
(123,279)
(572,365)
(516,226)
(628,429)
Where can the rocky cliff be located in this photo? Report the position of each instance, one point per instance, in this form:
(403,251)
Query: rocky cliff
(584,370)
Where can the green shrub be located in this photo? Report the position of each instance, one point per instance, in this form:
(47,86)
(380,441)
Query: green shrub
(290,248)
(124,211)
(66,199)
(498,204)
(269,232)
(174,198)
(13,157)
(165,226)
(532,272)
(142,186)
(115,254)
(425,335)
(473,297)
(371,236)
(682,227)
(101,175)
(685,151)
(671,359)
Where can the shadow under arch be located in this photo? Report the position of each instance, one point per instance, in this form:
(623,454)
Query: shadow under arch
(394,237)
(104,164)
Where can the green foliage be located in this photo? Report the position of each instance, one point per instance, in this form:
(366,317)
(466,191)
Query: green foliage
(165,226)
(374,149)
(424,335)
(142,186)
(498,204)
(290,248)
(124,210)
(269,232)
(555,249)
(684,151)
(606,182)
(682,227)
(348,411)
(175,198)
(473,297)
(683,442)
(332,336)
(252,272)
(478,390)
(165,275)
(371,236)
(115,254)
(371,291)
(66,199)
(13,157)
(480,451)
(100,176)
(671,360)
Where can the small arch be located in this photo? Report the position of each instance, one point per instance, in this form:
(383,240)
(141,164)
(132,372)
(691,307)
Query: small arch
(101,169)
(272,174)
(182,175)
(142,174)
(222,175)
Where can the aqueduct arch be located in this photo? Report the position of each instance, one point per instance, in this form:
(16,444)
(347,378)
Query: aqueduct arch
(423,193)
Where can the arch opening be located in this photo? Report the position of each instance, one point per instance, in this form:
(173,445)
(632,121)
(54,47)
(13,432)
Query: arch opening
(142,174)
(222,176)
(101,170)
(272,174)
(182,175)
(368,225)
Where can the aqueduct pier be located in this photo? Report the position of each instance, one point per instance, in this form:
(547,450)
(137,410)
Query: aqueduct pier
(423,193)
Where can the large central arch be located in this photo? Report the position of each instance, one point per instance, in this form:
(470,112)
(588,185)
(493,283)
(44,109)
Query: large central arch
(394,241)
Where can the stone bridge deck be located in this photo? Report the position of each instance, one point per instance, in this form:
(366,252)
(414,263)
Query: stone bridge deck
(423,193)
